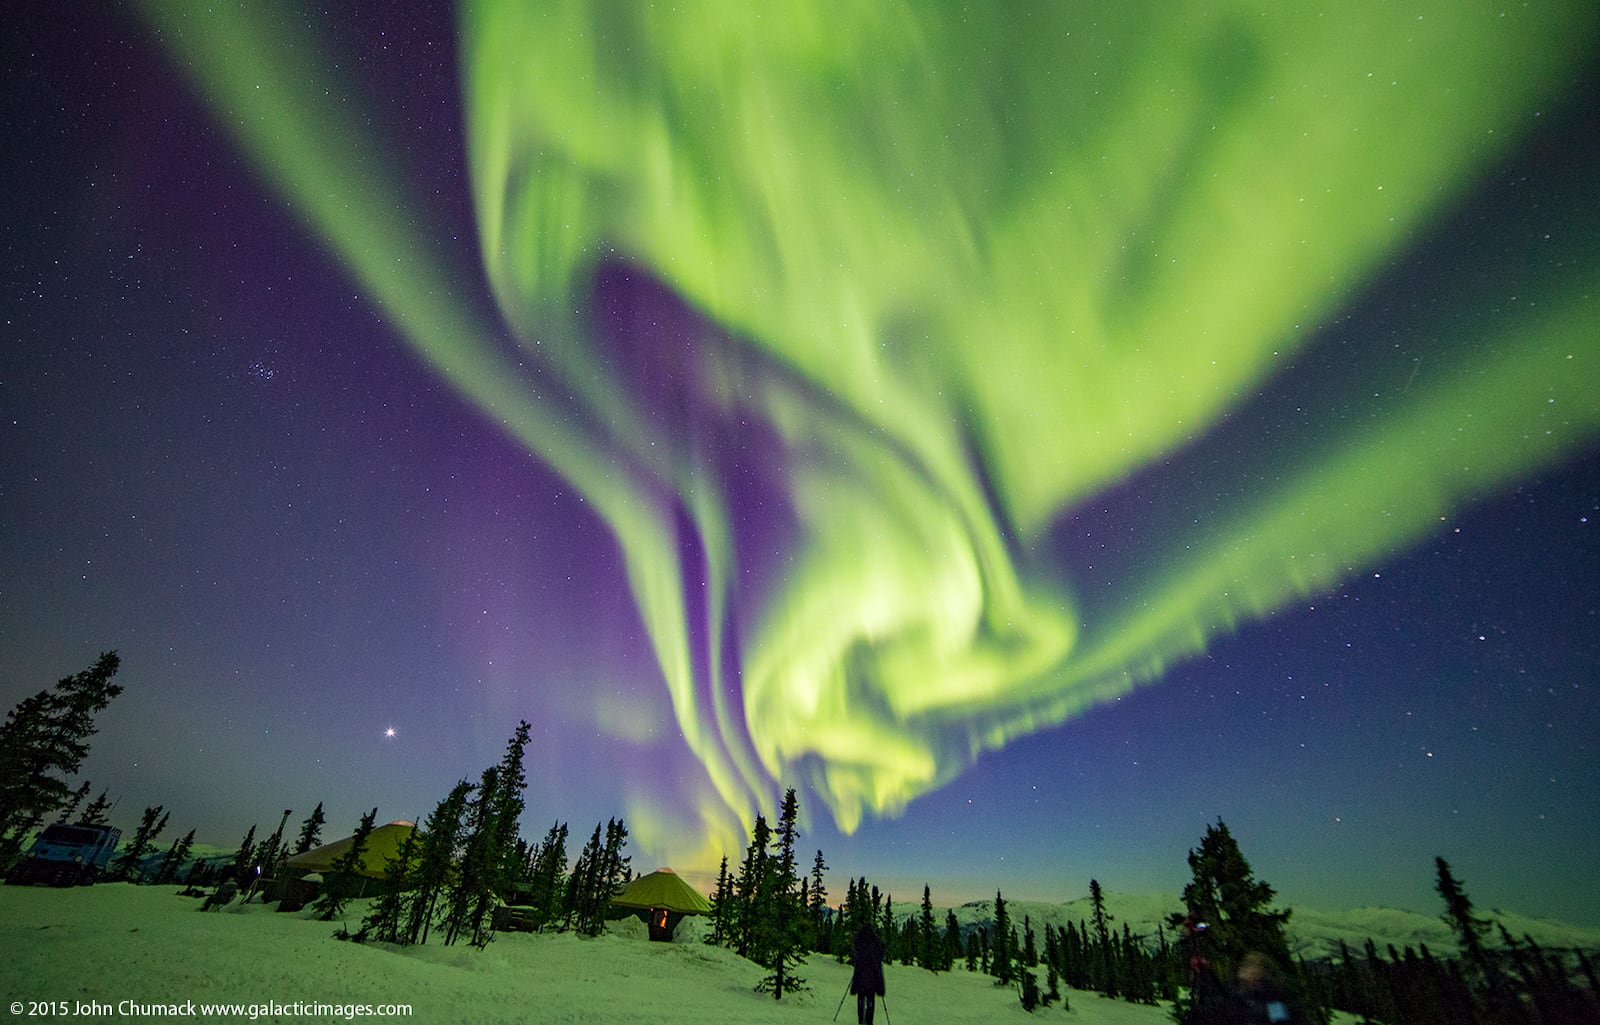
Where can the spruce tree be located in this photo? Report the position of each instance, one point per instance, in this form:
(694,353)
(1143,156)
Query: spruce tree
(817,905)
(782,916)
(1052,962)
(748,887)
(95,814)
(1225,894)
(1102,932)
(908,943)
(580,886)
(345,876)
(176,855)
(886,929)
(244,859)
(508,806)
(1001,961)
(600,872)
(388,917)
(43,741)
(548,874)
(930,952)
(1470,930)
(271,851)
(435,861)
(952,940)
(127,864)
(1135,978)
(469,893)
(310,830)
(70,807)
(1030,990)
(720,899)
(489,861)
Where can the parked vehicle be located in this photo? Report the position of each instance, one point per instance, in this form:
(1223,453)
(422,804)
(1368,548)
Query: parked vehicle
(67,856)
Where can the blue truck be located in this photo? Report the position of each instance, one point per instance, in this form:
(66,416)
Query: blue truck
(65,855)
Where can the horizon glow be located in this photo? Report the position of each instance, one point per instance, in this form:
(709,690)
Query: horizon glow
(954,279)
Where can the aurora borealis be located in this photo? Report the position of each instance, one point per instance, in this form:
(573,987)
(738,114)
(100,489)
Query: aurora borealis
(930,376)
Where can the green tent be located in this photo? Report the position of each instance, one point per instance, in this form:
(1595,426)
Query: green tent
(382,843)
(661,898)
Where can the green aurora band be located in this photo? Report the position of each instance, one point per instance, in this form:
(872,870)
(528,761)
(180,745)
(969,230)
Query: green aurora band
(972,265)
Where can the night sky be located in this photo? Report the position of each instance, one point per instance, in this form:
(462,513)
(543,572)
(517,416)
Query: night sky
(1034,434)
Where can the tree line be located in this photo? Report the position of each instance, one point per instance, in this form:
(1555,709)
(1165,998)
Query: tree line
(447,876)
(768,912)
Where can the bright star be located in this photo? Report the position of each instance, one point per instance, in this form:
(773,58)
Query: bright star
(389,732)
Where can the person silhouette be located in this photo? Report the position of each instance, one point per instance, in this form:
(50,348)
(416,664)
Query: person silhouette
(866,982)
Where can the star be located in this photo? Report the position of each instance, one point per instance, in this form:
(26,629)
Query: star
(389,732)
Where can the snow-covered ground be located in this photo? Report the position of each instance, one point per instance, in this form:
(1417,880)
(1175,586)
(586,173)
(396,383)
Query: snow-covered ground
(117,942)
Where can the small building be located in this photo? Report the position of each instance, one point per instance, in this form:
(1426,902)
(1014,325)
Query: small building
(661,899)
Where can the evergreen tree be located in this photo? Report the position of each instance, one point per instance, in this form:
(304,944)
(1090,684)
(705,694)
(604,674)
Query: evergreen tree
(548,874)
(489,862)
(1102,932)
(752,876)
(1470,930)
(244,860)
(817,905)
(1167,968)
(1030,990)
(930,952)
(909,941)
(95,814)
(781,913)
(1135,977)
(70,807)
(886,929)
(1052,962)
(721,898)
(952,940)
(599,873)
(344,877)
(1075,956)
(43,741)
(508,806)
(1001,961)
(127,864)
(436,857)
(310,830)
(388,917)
(1030,946)
(580,886)
(271,851)
(1225,895)
(176,855)
(470,891)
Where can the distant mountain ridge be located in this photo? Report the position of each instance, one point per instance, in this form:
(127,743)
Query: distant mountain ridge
(1312,933)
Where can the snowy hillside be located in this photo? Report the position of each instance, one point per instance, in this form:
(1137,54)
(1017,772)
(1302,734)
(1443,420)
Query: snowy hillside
(116,942)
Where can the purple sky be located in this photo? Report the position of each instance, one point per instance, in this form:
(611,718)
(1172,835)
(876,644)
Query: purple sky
(218,460)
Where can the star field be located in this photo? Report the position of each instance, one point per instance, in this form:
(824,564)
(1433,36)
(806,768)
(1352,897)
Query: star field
(340,558)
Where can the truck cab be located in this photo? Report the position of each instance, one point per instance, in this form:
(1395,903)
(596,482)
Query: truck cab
(66,855)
